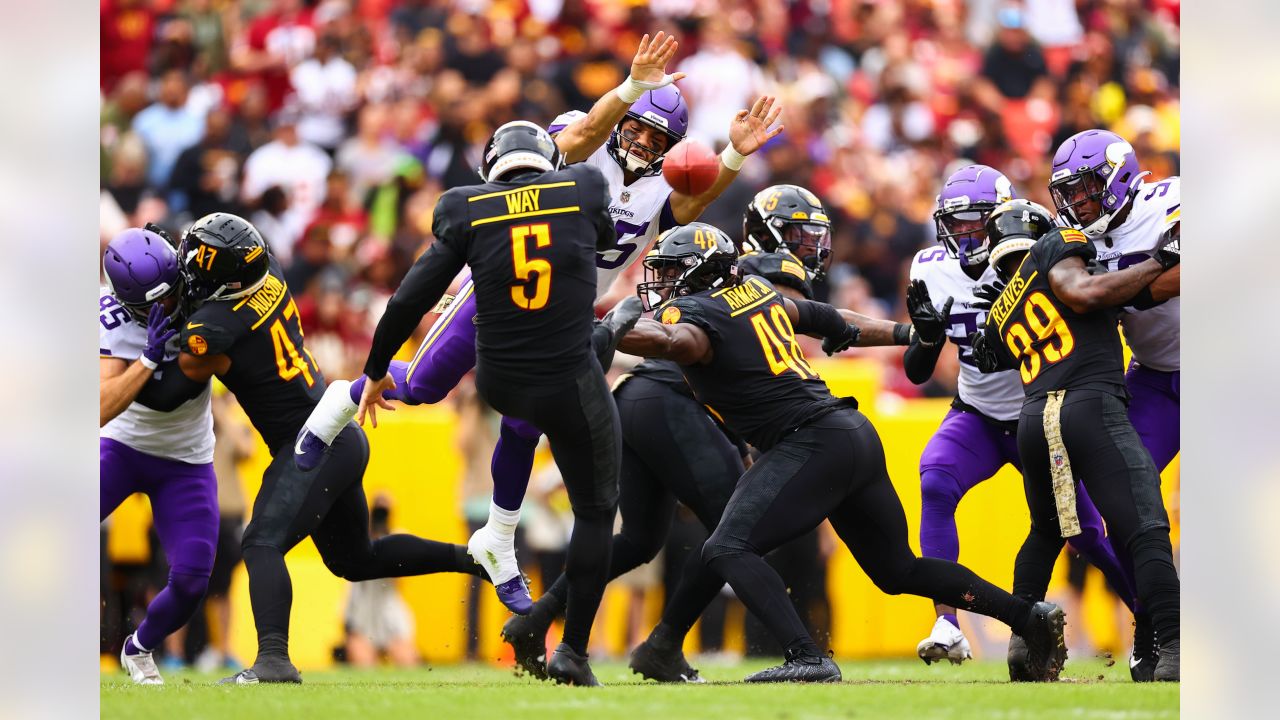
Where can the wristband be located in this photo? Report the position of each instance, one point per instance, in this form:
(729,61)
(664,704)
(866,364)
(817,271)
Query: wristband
(629,91)
(148,363)
(902,333)
(731,158)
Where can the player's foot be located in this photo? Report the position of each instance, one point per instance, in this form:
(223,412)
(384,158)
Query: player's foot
(654,662)
(1045,645)
(265,670)
(799,667)
(1142,663)
(497,555)
(527,635)
(1019,662)
(945,642)
(140,665)
(569,668)
(330,415)
(617,322)
(1168,664)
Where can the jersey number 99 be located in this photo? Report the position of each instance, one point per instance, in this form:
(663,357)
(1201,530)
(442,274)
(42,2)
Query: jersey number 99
(778,341)
(1046,327)
(528,268)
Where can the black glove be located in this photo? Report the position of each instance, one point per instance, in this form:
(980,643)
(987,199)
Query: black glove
(984,356)
(931,324)
(1169,249)
(987,294)
(152,227)
(841,342)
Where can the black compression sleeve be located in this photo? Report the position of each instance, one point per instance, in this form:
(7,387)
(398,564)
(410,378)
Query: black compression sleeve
(1144,300)
(902,333)
(918,361)
(821,318)
(167,392)
(421,289)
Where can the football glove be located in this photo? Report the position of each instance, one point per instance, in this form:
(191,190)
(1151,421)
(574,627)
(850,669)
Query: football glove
(931,323)
(987,294)
(1169,250)
(841,342)
(160,331)
(984,356)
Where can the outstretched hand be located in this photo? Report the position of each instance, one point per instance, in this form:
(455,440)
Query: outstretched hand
(930,323)
(749,130)
(371,399)
(987,294)
(649,66)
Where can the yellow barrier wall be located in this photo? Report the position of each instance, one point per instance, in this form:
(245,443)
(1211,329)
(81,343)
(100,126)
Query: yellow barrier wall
(414,460)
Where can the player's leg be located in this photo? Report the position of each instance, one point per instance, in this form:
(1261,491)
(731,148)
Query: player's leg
(965,451)
(1094,546)
(117,473)
(184,509)
(493,545)
(1154,401)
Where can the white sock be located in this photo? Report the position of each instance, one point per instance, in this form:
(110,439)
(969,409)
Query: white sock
(333,412)
(139,645)
(502,523)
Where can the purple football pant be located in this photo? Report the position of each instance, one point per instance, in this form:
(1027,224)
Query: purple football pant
(184,509)
(965,451)
(1155,397)
(447,353)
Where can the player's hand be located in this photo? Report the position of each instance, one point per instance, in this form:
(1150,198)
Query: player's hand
(987,294)
(930,323)
(841,342)
(749,130)
(1169,249)
(371,399)
(649,66)
(984,356)
(160,331)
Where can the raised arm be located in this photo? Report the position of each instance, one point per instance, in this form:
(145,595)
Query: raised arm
(648,71)
(684,343)
(748,132)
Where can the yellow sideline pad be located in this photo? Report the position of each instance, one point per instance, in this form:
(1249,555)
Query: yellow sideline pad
(414,460)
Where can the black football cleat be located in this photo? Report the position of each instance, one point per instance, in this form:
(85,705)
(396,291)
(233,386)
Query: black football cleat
(799,667)
(265,670)
(613,326)
(1167,666)
(1045,643)
(664,665)
(1019,660)
(567,667)
(1142,663)
(527,635)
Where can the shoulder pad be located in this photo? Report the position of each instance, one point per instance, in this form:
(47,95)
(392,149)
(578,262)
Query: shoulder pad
(1059,244)
(209,332)
(778,269)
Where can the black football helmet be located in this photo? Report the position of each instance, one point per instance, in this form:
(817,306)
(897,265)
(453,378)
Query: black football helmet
(789,218)
(687,260)
(1013,227)
(223,257)
(519,144)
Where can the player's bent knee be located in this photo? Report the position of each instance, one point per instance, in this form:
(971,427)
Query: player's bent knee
(646,544)
(519,429)
(189,586)
(939,489)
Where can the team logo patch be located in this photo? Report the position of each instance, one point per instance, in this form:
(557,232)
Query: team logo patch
(1071,235)
(671,316)
(197,344)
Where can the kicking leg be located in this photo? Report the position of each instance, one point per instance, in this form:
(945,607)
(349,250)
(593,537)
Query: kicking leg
(493,545)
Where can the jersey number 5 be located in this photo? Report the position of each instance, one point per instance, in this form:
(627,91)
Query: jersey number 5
(778,341)
(1045,328)
(527,268)
(288,361)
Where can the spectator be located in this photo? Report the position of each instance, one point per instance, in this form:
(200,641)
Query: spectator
(326,90)
(712,101)
(126,28)
(298,168)
(168,127)
(206,176)
(369,158)
(1014,63)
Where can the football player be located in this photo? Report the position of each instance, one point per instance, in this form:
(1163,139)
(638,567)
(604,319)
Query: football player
(673,449)
(735,340)
(168,455)
(625,136)
(979,434)
(530,235)
(1097,186)
(1055,324)
(243,326)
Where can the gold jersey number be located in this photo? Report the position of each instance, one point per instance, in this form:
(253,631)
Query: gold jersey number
(1046,326)
(537,270)
(289,362)
(778,341)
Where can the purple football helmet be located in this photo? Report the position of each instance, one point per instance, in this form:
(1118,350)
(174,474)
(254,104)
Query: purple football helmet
(1095,175)
(664,109)
(966,200)
(141,268)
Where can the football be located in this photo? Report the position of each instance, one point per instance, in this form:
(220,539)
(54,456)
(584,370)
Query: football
(690,168)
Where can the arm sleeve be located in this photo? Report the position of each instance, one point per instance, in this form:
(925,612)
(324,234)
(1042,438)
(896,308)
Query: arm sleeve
(421,289)
(820,318)
(919,361)
(170,390)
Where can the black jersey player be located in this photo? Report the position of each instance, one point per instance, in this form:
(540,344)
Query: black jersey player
(735,339)
(243,326)
(529,235)
(1055,322)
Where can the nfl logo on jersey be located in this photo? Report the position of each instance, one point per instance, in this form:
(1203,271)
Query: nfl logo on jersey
(626,196)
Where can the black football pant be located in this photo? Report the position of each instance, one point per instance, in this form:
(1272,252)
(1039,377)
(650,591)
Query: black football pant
(834,468)
(580,421)
(327,503)
(1106,454)
(671,450)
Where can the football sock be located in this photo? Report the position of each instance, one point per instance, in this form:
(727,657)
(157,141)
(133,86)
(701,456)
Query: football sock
(512,464)
(271,597)
(951,618)
(502,522)
(1157,578)
(587,569)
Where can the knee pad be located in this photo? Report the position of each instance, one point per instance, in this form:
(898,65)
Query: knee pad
(939,489)
(516,428)
(189,586)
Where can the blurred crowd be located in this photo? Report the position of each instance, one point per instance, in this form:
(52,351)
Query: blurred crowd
(334,124)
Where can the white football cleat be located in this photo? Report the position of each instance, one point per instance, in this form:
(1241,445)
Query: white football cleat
(141,666)
(497,555)
(944,642)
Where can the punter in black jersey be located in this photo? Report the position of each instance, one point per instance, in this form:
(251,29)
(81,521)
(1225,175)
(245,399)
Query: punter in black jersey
(673,450)
(530,236)
(244,328)
(736,341)
(1055,322)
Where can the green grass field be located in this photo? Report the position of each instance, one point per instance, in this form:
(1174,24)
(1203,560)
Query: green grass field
(871,689)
